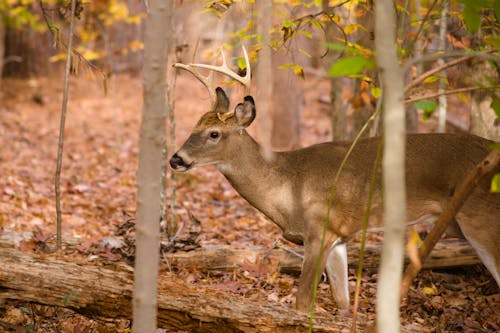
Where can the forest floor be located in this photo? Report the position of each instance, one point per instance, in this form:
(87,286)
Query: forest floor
(98,202)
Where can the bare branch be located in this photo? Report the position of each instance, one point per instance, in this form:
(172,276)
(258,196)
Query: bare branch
(447,92)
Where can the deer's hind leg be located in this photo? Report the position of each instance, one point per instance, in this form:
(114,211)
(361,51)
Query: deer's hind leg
(483,233)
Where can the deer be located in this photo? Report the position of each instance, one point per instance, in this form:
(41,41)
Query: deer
(292,188)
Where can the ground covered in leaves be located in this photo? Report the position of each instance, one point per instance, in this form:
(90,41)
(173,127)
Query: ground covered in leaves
(98,203)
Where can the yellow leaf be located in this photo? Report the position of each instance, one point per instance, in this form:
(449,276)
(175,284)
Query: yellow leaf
(119,10)
(463,98)
(414,242)
(91,55)
(135,19)
(298,71)
(430,290)
(351,28)
(136,45)
(58,57)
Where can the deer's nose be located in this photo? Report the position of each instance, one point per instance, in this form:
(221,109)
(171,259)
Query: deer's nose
(176,162)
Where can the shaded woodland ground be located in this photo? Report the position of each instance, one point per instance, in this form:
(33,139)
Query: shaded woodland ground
(98,186)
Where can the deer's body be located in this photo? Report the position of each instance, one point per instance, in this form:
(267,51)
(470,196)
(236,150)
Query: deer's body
(292,188)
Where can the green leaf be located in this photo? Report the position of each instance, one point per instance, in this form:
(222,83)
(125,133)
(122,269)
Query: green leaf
(306,33)
(495,183)
(376,92)
(427,106)
(432,78)
(350,66)
(496,8)
(472,18)
(285,66)
(495,105)
(495,146)
(343,48)
(493,41)
(287,23)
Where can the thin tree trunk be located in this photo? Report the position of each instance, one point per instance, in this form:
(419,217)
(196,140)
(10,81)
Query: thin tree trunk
(60,145)
(443,100)
(483,120)
(388,316)
(265,74)
(151,143)
(338,112)
(2,53)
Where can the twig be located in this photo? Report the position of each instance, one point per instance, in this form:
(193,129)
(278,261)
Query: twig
(62,125)
(451,54)
(447,92)
(461,194)
(435,70)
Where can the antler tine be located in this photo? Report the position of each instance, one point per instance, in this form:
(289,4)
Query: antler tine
(206,80)
(224,69)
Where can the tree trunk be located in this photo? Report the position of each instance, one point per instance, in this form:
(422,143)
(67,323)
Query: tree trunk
(2,53)
(106,292)
(483,120)
(393,168)
(287,104)
(265,75)
(338,109)
(362,107)
(151,143)
(447,253)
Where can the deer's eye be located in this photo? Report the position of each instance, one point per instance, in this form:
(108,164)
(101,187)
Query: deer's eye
(214,134)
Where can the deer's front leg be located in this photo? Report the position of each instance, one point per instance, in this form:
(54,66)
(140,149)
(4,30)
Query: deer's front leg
(336,269)
(309,267)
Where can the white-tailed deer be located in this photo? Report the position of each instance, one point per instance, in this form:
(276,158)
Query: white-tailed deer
(292,189)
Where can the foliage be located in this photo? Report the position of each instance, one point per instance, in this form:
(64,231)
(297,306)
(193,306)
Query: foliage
(474,27)
(20,15)
(95,18)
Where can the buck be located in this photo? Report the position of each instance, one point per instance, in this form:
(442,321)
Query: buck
(292,188)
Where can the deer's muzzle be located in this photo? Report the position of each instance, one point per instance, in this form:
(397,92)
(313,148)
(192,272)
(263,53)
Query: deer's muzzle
(178,164)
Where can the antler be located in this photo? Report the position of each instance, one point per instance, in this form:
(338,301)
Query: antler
(223,69)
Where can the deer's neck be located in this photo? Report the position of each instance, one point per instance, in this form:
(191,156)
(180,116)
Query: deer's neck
(248,171)
(265,184)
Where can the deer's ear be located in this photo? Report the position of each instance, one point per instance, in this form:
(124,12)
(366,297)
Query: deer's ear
(222,103)
(245,112)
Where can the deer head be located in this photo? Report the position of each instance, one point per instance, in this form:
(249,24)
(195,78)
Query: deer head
(216,134)
(217,131)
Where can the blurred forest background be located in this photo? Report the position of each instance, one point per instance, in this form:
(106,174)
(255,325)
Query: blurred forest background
(314,80)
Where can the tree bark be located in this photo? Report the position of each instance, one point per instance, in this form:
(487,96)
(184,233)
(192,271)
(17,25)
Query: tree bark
(2,53)
(393,165)
(265,75)
(152,139)
(447,253)
(106,292)
(338,109)
(287,104)
(483,120)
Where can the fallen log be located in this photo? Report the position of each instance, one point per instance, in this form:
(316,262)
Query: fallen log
(447,253)
(107,292)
